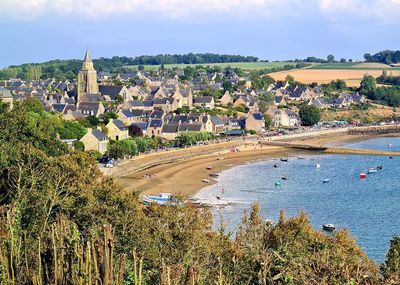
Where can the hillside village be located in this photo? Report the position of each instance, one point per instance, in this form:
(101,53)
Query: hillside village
(163,105)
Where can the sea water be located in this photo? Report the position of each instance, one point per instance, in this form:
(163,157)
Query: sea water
(369,208)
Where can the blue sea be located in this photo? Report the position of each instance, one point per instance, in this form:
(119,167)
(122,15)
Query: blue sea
(369,208)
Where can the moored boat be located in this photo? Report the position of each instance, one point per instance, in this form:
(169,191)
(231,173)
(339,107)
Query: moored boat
(284,159)
(372,170)
(363,175)
(328,227)
(277,183)
(205,180)
(326,180)
(214,175)
(284,178)
(209,167)
(317,165)
(161,199)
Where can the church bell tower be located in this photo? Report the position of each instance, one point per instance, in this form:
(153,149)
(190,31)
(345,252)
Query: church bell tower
(87,78)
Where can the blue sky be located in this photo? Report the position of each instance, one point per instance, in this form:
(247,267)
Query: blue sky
(40,30)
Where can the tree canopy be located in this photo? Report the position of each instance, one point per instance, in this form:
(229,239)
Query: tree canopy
(310,115)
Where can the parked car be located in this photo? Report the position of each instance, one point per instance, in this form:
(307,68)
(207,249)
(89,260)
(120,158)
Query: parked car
(109,165)
(104,159)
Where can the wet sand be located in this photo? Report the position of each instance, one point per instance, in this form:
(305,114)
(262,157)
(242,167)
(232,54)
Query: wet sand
(184,177)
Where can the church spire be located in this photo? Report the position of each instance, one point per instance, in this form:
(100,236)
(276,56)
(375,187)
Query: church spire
(87,61)
(87,56)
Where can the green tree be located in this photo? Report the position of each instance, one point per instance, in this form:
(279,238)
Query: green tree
(330,58)
(110,115)
(290,79)
(310,115)
(227,85)
(368,86)
(268,121)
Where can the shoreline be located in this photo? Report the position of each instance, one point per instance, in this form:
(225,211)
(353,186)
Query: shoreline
(184,176)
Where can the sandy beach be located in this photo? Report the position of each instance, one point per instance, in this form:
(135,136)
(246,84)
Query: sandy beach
(184,176)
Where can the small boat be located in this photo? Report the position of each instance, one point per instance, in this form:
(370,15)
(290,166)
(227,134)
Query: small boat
(300,157)
(363,175)
(277,183)
(317,165)
(284,159)
(218,197)
(389,144)
(284,178)
(214,175)
(205,180)
(390,157)
(326,181)
(220,158)
(161,199)
(380,167)
(275,166)
(328,227)
(209,167)
(372,170)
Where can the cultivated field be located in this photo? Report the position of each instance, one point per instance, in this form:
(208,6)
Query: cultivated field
(352,76)
(354,65)
(242,65)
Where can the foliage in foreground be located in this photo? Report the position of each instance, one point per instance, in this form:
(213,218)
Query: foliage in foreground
(62,222)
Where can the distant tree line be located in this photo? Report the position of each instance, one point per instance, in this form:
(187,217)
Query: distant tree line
(386,56)
(388,79)
(386,95)
(67,69)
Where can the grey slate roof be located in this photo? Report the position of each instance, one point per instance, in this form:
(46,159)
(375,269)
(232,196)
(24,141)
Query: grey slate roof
(170,128)
(128,113)
(120,125)
(155,123)
(258,116)
(189,127)
(99,135)
(59,107)
(110,90)
(202,100)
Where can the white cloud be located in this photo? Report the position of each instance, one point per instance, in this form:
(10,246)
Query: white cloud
(383,10)
(169,8)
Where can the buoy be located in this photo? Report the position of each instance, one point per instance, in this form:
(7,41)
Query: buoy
(363,175)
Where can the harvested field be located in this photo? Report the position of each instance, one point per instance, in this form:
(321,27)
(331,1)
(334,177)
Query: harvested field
(308,76)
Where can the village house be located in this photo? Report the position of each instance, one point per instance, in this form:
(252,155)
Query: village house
(111,93)
(206,102)
(91,108)
(226,99)
(117,130)
(6,97)
(169,131)
(166,104)
(218,125)
(95,140)
(126,116)
(255,121)
(154,127)
(285,118)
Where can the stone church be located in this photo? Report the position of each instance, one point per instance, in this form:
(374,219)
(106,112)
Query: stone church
(87,80)
(88,101)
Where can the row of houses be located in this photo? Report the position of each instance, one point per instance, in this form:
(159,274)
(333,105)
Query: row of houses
(169,126)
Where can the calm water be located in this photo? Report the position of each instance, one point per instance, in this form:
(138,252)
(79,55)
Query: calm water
(370,208)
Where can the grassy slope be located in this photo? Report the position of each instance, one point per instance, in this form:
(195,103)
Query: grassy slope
(354,66)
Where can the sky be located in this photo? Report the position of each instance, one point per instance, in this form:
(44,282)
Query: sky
(41,30)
